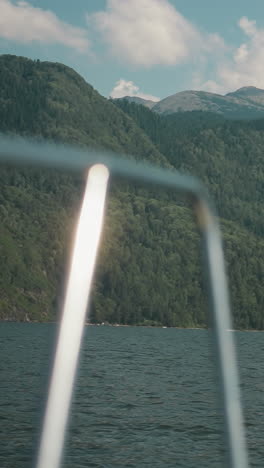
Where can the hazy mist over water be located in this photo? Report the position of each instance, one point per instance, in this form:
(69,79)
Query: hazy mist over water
(144,397)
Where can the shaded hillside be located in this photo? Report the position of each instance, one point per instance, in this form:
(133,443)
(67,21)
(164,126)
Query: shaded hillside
(52,101)
(226,155)
(38,208)
(149,268)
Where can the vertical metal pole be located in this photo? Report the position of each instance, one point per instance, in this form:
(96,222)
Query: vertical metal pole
(72,322)
(235,436)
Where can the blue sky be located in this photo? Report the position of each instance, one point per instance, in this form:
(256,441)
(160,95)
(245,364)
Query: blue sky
(149,48)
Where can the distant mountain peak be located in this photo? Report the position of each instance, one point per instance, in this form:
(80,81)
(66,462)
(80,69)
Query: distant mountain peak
(247,90)
(244,103)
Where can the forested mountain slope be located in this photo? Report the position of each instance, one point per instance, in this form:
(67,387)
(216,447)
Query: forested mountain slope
(52,101)
(149,267)
(229,158)
(227,155)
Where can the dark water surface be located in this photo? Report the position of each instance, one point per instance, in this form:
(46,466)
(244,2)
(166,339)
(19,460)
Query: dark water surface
(145,397)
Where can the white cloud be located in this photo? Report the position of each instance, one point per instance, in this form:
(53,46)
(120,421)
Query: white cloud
(210,85)
(249,27)
(150,32)
(21,22)
(245,64)
(128,88)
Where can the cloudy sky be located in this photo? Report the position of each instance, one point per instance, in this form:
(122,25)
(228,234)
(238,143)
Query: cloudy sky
(147,48)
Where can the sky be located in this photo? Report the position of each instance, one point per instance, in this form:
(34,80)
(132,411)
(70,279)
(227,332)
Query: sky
(146,48)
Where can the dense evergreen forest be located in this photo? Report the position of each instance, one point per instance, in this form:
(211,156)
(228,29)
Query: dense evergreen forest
(149,270)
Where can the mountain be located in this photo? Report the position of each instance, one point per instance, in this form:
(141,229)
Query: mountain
(249,94)
(215,150)
(138,100)
(247,103)
(53,101)
(149,265)
(228,157)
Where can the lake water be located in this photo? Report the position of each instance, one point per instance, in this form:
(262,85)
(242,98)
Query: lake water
(145,397)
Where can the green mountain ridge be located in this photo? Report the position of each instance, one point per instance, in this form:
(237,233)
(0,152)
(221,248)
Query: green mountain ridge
(44,99)
(149,268)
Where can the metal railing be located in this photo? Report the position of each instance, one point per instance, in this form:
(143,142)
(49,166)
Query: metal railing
(102,166)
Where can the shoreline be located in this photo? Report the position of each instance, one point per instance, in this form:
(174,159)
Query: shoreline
(117,325)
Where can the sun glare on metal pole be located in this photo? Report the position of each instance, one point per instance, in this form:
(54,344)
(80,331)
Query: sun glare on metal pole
(73,317)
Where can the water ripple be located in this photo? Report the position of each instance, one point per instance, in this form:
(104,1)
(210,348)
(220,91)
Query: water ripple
(144,397)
